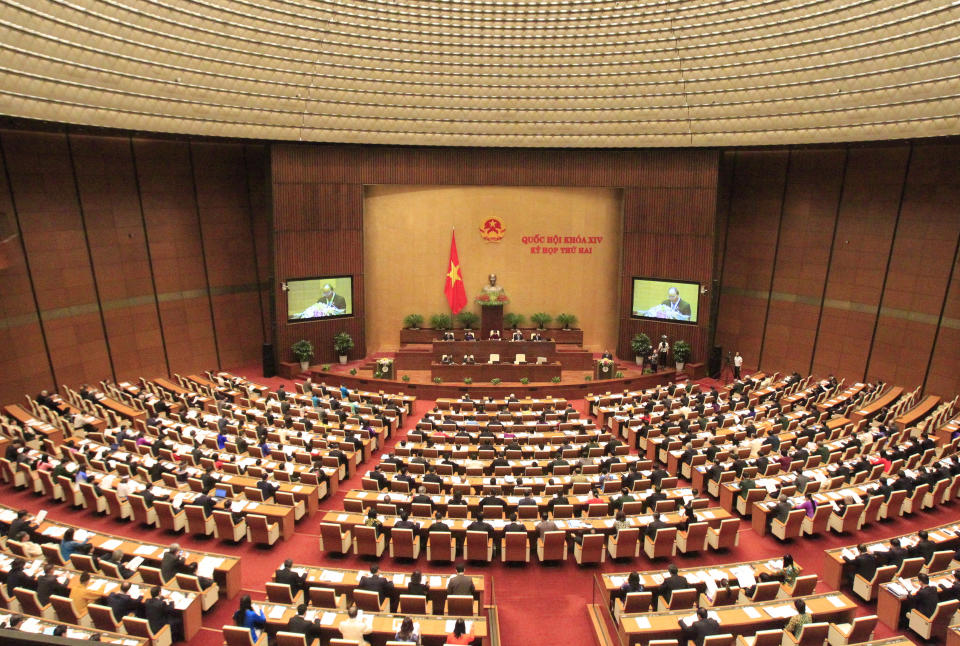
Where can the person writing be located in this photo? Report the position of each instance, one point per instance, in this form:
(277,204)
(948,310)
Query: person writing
(460,634)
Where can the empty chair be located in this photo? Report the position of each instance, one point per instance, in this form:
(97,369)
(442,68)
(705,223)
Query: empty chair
(894,505)
(910,568)
(458,605)
(292,639)
(726,536)
(326,598)
(30,604)
(167,518)
(871,511)
(441,547)
(141,628)
(761,638)
(333,539)
(51,552)
(119,509)
(199,524)
(791,528)
(261,531)
(745,505)
(813,634)
(818,524)
(478,547)
(625,544)
(726,639)
(939,561)
(289,499)
(226,530)
(663,545)
(516,548)
(283,593)
(694,539)
(415,604)
(93,500)
(552,547)
(590,549)
(139,511)
(404,544)
(935,626)
(857,632)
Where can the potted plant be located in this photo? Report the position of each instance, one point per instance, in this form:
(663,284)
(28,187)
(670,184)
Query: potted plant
(441,322)
(468,380)
(342,344)
(555,379)
(524,380)
(541,319)
(303,351)
(412,321)
(495,381)
(681,353)
(437,380)
(640,344)
(512,320)
(468,319)
(405,378)
(566,320)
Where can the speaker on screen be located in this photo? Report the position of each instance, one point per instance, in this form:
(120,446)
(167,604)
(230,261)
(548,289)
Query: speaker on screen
(269,363)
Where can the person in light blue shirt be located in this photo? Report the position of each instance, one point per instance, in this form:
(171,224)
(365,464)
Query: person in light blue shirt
(69,546)
(250,618)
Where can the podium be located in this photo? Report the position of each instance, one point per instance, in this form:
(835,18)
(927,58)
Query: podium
(491,318)
(604,369)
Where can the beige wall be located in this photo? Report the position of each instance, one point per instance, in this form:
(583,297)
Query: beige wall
(407,242)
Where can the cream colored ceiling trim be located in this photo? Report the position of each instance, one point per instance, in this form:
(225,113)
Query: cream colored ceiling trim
(606,73)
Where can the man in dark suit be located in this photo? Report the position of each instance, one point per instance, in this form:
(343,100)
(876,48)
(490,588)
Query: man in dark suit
(47,584)
(650,503)
(513,525)
(673,582)
(122,604)
(160,613)
(925,599)
(377,583)
(656,524)
(208,481)
(460,583)
(331,298)
(299,624)
(207,503)
(896,554)
(925,547)
(17,578)
(865,564)
(297,582)
(422,498)
(701,628)
(517,335)
(780,511)
(438,524)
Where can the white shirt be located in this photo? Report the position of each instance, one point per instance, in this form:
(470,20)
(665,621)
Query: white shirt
(738,361)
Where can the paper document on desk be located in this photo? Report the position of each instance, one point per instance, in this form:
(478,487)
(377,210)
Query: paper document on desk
(781,612)
(111,545)
(752,612)
(617,581)
(331,576)
(642,623)
(436,582)
(41,515)
(80,535)
(276,612)
(745,577)
(145,550)
(399,579)
(135,562)
(837,602)
(207,565)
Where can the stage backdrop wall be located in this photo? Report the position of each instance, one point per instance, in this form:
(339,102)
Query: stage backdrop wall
(407,243)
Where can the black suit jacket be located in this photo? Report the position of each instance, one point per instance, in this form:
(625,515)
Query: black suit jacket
(172,564)
(122,605)
(47,585)
(310,629)
(926,600)
(672,583)
(377,583)
(703,628)
(19,579)
(865,565)
(653,527)
(158,612)
(291,578)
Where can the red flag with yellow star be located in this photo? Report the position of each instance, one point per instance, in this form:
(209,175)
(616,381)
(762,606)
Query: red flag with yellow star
(453,285)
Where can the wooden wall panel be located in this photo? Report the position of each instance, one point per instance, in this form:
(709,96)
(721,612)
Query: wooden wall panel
(669,219)
(119,282)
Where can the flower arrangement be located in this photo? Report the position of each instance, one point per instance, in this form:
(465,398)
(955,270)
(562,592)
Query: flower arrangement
(495,381)
(555,379)
(468,380)
(382,368)
(524,380)
(437,380)
(487,300)
(606,362)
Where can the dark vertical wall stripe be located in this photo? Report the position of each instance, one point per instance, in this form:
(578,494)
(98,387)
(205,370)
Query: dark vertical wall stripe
(886,272)
(833,242)
(203,252)
(93,268)
(26,260)
(943,307)
(146,239)
(776,251)
(253,240)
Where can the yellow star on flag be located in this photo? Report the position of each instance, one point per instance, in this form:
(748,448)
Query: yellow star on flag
(454,273)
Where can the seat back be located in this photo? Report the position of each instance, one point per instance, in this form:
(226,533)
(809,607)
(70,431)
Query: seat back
(225,527)
(553,544)
(637,602)
(563,511)
(727,536)
(682,599)
(821,516)
(367,600)
(766,591)
(794,522)
(440,544)
(260,528)
(591,550)
(237,636)
(279,593)
(725,639)
(861,630)
(366,540)
(401,543)
(333,539)
(516,547)
(291,639)
(910,567)
(663,543)
(460,605)
(696,535)
(476,546)
(103,618)
(895,502)
(51,552)
(804,585)
(768,638)
(626,543)
(940,561)
(851,518)
(413,604)
(813,634)
(65,610)
(323,597)
(29,601)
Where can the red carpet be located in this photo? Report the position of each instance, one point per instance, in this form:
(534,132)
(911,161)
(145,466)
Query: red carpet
(538,605)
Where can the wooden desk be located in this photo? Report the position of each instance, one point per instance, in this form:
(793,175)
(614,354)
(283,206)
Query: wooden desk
(833,564)
(918,412)
(226,569)
(507,350)
(889,605)
(845,396)
(32,626)
(385,625)
(35,424)
(122,410)
(484,372)
(884,400)
(833,606)
(344,581)
(953,636)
